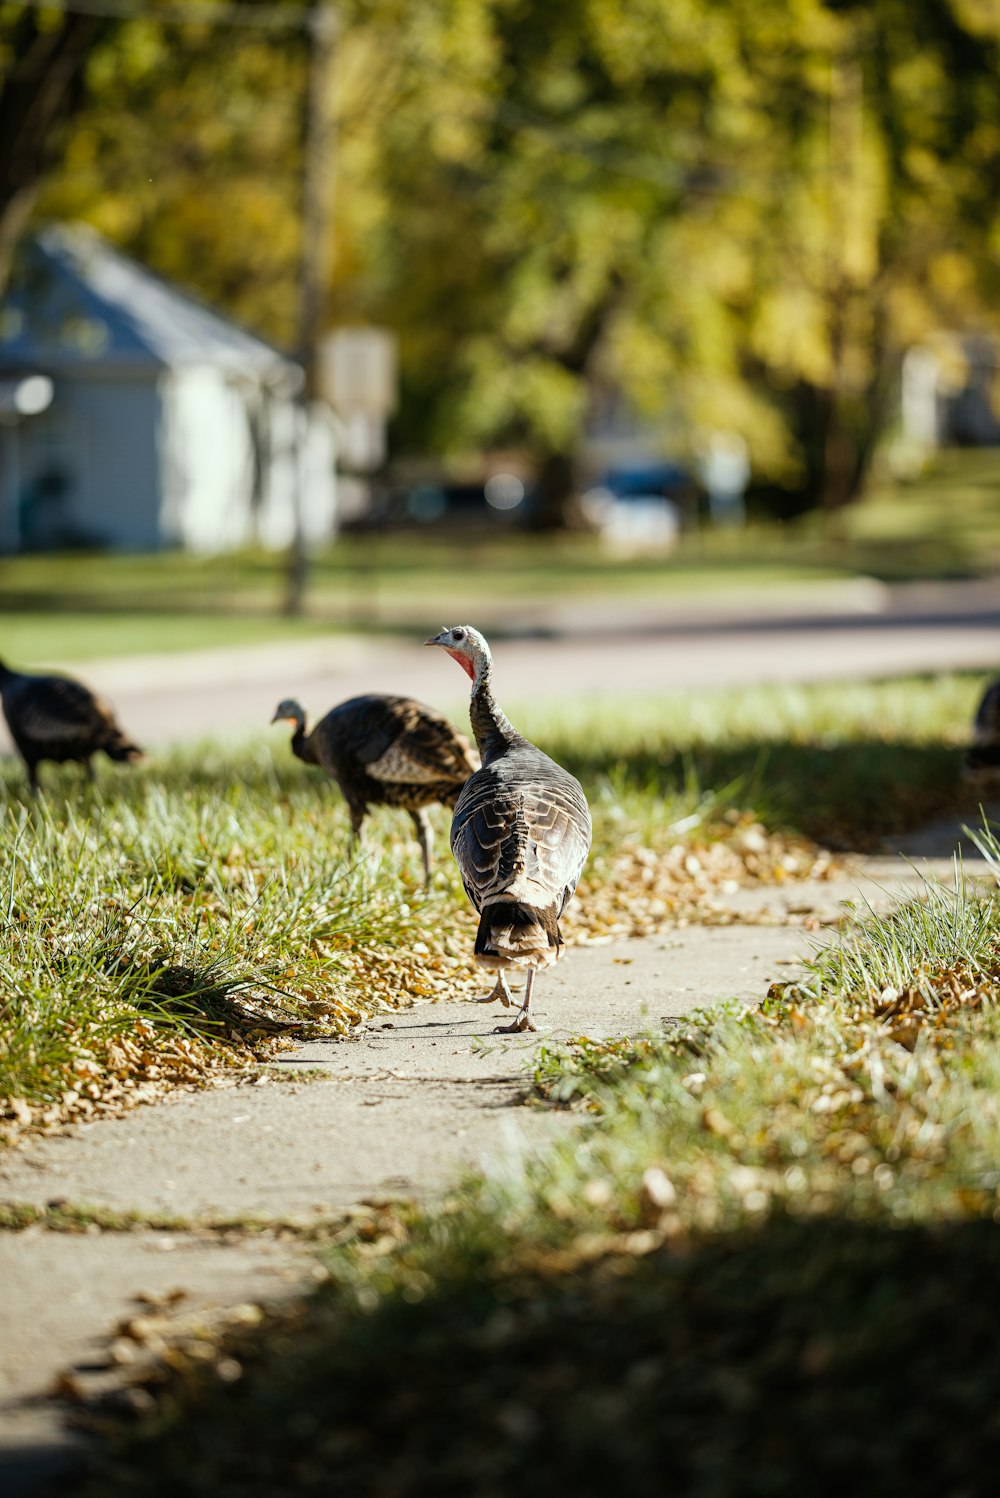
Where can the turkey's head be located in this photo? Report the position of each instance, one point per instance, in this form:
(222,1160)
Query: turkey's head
(289,711)
(467,646)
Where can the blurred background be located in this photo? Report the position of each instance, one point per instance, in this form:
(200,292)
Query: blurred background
(607,315)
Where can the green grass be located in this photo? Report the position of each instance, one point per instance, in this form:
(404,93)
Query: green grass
(188,913)
(184,917)
(44,639)
(845,763)
(946,522)
(73,608)
(79,608)
(763,1266)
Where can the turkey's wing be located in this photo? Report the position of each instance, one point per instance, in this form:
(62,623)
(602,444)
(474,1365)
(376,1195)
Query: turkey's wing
(53,708)
(535,830)
(398,739)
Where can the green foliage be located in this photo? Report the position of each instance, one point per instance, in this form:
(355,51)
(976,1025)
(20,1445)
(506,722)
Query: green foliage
(738,216)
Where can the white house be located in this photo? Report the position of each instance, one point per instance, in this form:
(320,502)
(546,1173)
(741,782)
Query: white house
(168,425)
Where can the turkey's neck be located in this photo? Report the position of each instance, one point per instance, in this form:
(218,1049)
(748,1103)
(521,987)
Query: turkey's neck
(494,732)
(300,744)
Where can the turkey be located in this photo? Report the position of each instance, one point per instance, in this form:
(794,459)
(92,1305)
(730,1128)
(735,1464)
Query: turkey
(982,758)
(386,751)
(520,835)
(57,718)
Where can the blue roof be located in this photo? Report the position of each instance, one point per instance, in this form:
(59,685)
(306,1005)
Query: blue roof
(76,301)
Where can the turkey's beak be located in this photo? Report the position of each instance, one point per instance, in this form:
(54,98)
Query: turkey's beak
(437,640)
(277,718)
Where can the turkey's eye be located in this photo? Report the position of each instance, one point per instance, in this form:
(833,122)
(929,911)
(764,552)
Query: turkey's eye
(458,634)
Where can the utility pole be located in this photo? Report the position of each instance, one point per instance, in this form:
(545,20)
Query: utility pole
(847,269)
(318,164)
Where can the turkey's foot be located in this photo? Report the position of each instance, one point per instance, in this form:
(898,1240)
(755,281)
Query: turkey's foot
(500,991)
(522,1021)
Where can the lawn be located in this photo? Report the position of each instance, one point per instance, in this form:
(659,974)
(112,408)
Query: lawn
(74,608)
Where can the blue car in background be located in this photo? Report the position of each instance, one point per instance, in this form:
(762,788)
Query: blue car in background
(638,508)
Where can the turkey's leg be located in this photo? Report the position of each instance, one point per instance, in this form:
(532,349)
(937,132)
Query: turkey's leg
(425,837)
(357,817)
(500,991)
(522,1019)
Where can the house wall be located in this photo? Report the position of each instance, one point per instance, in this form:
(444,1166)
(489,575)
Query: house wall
(208,461)
(186,458)
(88,467)
(299,473)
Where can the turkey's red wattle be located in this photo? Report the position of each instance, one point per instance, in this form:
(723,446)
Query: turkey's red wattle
(465,663)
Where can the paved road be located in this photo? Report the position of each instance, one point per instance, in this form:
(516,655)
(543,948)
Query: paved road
(859,629)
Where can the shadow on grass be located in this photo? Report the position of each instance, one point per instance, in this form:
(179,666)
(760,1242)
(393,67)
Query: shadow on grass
(805,1355)
(204,1000)
(848,796)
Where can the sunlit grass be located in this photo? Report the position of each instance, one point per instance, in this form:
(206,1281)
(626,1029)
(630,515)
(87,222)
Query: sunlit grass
(847,763)
(39,639)
(202,907)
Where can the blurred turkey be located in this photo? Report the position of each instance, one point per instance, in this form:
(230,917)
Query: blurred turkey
(520,835)
(386,751)
(57,718)
(982,758)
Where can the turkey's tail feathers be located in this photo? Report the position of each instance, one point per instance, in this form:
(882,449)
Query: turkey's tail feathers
(513,934)
(122,751)
(982,760)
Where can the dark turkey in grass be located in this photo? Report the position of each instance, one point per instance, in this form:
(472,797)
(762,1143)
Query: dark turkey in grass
(981,762)
(59,719)
(386,751)
(520,835)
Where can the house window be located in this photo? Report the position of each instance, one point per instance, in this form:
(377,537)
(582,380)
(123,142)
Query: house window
(53,478)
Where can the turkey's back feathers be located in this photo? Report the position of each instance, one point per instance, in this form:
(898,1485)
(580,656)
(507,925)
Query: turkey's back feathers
(987,722)
(982,758)
(55,717)
(521,831)
(393,739)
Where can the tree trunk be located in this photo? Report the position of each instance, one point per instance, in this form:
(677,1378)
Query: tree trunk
(41,91)
(556,505)
(557,501)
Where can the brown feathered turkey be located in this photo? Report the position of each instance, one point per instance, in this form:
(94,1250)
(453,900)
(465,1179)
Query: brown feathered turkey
(520,835)
(386,751)
(59,719)
(981,762)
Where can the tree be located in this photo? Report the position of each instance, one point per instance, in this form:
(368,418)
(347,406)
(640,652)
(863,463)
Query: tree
(188,154)
(734,216)
(43,60)
(881,234)
(740,215)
